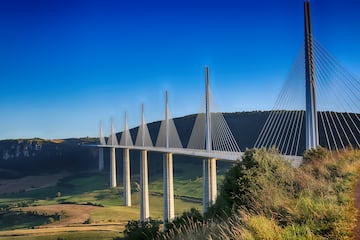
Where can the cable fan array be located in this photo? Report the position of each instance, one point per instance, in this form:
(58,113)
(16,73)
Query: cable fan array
(338,101)
(337,106)
(284,126)
(222,138)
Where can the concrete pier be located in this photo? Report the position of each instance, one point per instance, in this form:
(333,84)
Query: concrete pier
(168,187)
(213,181)
(101,159)
(112,167)
(144,188)
(209,183)
(126,178)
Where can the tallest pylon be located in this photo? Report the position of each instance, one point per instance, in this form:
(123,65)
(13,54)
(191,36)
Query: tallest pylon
(312,135)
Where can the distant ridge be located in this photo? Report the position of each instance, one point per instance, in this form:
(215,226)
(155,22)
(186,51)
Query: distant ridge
(37,155)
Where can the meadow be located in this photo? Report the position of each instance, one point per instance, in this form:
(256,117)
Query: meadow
(82,206)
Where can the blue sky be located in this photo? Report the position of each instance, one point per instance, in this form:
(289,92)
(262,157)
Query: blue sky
(66,65)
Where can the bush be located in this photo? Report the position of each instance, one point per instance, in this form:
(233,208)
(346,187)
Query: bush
(50,220)
(88,221)
(94,204)
(136,230)
(256,183)
(23,204)
(315,155)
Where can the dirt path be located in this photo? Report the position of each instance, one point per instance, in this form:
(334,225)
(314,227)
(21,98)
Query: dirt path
(357,205)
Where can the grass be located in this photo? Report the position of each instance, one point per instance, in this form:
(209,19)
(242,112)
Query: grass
(93,187)
(76,188)
(85,189)
(191,188)
(18,220)
(89,188)
(121,213)
(103,235)
(182,187)
(187,181)
(263,197)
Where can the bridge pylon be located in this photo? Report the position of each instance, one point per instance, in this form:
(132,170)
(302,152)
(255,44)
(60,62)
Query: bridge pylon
(168,170)
(312,132)
(144,180)
(126,138)
(113,142)
(209,165)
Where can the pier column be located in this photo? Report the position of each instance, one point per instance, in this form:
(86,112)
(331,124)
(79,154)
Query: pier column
(213,182)
(112,168)
(209,183)
(168,187)
(101,159)
(126,178)
(144,187)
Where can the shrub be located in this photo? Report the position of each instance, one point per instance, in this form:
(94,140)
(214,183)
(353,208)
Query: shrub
(255,183)
(136,230)
(315,155)
(50,220)
(88,221)
(94,204)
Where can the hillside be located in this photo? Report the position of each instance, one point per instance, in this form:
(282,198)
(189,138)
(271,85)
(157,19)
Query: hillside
(33,156)
(24,156)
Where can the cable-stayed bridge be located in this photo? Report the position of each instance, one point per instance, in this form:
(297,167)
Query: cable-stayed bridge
(322,110)
(211,139)
(318,105)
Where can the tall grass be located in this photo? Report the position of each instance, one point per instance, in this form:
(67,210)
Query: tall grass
(263,197)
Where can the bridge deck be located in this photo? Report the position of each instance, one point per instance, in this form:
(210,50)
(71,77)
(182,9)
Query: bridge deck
(225,156)
(220,155)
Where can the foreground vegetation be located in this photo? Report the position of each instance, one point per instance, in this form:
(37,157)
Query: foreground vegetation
(264,197)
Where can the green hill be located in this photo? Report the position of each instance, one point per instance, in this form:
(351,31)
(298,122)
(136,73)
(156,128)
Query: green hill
(33,156)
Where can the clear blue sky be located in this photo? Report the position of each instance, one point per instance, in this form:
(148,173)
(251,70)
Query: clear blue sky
(65,65)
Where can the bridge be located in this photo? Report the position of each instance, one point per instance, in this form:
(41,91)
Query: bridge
(212,140)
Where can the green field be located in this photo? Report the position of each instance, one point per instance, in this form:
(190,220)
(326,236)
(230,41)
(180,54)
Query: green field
(103,235)
(92,189)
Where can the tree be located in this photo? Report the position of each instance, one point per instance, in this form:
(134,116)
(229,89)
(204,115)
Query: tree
(253,183)
(136,230)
